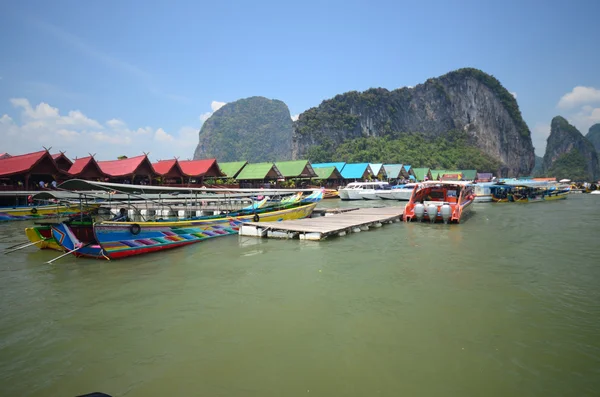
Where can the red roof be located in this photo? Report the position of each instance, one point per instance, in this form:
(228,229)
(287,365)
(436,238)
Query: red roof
(208,167)
(23,163)
(62,161)
(164,167)
(127,167)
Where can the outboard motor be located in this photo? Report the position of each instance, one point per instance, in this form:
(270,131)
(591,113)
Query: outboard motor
(432,212)
(419,211)
(446,211)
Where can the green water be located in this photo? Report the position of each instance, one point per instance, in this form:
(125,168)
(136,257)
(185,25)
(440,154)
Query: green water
(506,304)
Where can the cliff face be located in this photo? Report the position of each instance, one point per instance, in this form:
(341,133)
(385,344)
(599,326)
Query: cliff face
(593,136)
(466,100)
(254,129)
(567,148)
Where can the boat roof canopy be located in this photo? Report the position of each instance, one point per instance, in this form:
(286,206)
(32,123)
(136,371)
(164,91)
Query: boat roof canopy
(455,183)
(82,185)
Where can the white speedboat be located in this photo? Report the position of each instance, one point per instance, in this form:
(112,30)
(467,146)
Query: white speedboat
(362,190)
(482,191)
(402,193)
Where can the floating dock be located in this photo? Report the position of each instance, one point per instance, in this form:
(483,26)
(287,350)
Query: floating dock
(322,227)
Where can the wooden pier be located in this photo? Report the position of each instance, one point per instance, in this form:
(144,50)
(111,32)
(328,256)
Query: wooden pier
(322,227)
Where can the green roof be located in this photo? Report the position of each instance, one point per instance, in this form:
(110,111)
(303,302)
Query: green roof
(420,173)
(233,168)
(469,175)
(328,173)
(295,169)
(259,171)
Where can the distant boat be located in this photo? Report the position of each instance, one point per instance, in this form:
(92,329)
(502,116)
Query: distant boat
(362,190)
(400,193)
(528,192)
(43,211)
(482,191)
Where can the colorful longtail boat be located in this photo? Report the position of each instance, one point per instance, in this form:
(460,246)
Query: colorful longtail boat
(41,234)
(114,240)
(528,193)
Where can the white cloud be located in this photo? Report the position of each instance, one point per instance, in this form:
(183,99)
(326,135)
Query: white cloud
(214,105)
(161,136)
(295,117)
(78,134)
(115,123)
(513,94)
(579,96)
(584,118)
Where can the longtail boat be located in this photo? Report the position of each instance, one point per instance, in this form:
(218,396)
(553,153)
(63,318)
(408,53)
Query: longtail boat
(528,193)
(440,201)
(41,234)
(114,240)
(43,211)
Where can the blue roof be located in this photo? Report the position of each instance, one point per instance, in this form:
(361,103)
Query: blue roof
(339,166)
(355,171)
(376,167)
(407,168)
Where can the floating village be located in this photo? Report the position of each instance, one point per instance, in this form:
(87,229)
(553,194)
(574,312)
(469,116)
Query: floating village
(131,206)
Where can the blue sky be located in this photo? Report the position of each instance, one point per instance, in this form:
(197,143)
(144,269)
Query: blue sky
(122,77)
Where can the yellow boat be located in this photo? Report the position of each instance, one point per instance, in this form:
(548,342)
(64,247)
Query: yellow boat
(42,237)
(43,211)
(330,194)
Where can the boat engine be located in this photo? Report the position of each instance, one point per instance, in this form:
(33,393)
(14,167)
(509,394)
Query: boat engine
(446,211)
(419,211)
(432,212)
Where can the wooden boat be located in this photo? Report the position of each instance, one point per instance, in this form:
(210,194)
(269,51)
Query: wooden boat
(440,201)
(114,240)
(331,194)
(43,211)
(41,234)
(528,193)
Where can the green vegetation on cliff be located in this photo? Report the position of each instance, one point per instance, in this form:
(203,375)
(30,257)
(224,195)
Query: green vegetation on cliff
(450,151)
(255,129)
(571,165)
(593,136)
(538,168)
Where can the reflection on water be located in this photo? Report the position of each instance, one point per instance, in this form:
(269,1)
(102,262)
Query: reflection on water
(505,304)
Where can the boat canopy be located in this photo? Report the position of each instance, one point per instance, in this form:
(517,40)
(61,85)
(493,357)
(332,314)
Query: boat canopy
(80,184)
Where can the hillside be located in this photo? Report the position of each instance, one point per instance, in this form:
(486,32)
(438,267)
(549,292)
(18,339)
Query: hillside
(467,100)
(569,154)
(255,129)
(593,136)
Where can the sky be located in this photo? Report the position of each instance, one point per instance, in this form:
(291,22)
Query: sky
(124,77)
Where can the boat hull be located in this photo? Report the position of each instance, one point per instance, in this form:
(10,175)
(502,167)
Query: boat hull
(42,237)
(485,198)
(396,194)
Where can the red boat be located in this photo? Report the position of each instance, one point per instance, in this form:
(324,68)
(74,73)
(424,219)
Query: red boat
(440,201)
